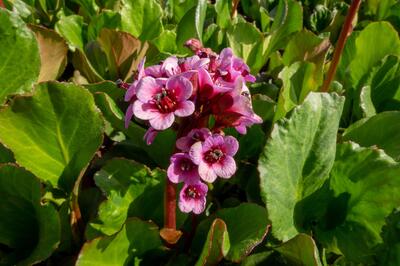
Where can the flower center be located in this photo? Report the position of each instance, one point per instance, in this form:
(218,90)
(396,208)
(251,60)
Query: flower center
(186,165)
(192,192)
(213,155)
(165,101)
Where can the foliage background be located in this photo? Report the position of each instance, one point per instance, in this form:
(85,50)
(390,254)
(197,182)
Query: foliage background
(318,182)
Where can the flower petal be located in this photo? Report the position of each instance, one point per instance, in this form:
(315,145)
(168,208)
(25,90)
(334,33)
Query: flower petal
(170,66)
(181,86)
(231,145)
(172,174)
(212,141)
(225,168)
(184,109)
(196,152)
(147,88)
(199,206)
(144,111)
(206,172)
(162,121)
(128,115)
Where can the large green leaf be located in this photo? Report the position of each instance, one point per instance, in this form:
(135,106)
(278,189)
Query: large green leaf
(19,56)
(299,79)
(288,20)
(300,250)
(29,228)
(348,214)
(53,133)
(223,9)
(53,53)
(106,19)
(389,252)
(247,227)
(141,18)
(185,30)
(122,181)
(248,42)
(297,158)
(200,16)
(71,28)
(362,56)
(381,130)
(124,248)
(216,246)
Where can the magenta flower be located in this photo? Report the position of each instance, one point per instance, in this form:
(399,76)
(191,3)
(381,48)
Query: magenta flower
(195,135)
(182,169)
(130,95)
(230,67)
(160,104)
(150,135)
(192,197)
(215,157)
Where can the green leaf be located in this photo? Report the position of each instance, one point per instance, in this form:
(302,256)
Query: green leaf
(364,56)
(247,42)
(299,79)
(29,228)
(362,191)
(6,156)
(122,181)
(384,83)
(89,7)
(53,53)
(288,20)
(82,64)
(123,51)
(306,46)
(166,42)
(106,19)
(300,250)
(180,8)
(247,227)
(298,157)
(54,133)
(19,56)
(141,18)
(380,130)
(133,241)
(223,9)
(185,30)
(389,252)
(200,16)
(216,246)
(71,28)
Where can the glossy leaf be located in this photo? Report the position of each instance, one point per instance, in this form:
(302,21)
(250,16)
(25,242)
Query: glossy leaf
(141,18)
(185,30)
(71,28)
(30,229)
(135,239)
(106,19)
(53,53)
(122,181)
(223,9)
(53,133)
(300,250)
(360,180)
(200,16)
(247,227)
(380,130)
(216,246)
(19,56)
(297,158)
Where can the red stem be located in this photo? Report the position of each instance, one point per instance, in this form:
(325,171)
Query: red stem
(170,205)
(2,4)
(344,34)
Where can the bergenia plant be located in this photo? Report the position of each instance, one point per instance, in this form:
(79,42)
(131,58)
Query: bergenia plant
(185,94)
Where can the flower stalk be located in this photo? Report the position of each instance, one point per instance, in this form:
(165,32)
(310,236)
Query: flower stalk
(344,34)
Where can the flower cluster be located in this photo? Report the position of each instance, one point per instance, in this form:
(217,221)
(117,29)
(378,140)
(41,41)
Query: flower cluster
(184,93)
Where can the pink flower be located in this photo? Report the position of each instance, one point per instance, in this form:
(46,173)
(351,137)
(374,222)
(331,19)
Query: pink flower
(130,95)
(160,103)
(215,157)
(150,135)
(182,169)
(230,67)
(195,135)
(192,197)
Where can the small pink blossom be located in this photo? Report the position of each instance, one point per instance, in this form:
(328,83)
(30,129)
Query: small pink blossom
(160,104)
(150,135)
(195,135)
(182,169)
(215,157)
(192,197)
